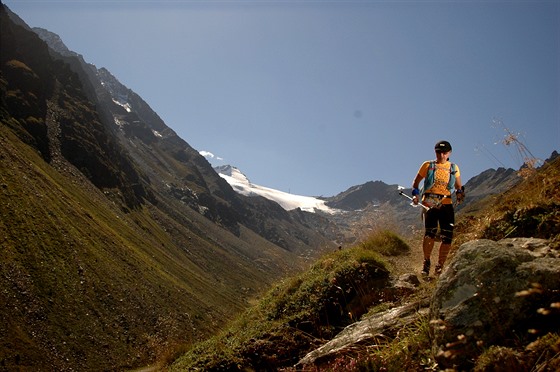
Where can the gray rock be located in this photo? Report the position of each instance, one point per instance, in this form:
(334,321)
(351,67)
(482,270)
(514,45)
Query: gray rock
(367,331)
(491,292)
(408,280)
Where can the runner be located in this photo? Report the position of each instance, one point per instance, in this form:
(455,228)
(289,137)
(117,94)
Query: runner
(440,177)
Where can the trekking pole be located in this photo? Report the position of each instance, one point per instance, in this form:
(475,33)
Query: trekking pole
(408,197)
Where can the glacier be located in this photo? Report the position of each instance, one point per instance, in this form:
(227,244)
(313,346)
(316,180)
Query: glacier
(241,184)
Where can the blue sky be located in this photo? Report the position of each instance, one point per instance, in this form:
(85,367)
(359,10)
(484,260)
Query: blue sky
(313,97)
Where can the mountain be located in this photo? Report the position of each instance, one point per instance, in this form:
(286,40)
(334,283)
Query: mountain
(409,324)
(119,242)
(53,40)
(375,204)
(369,193)
(487,183)
(173,168)
(345,218)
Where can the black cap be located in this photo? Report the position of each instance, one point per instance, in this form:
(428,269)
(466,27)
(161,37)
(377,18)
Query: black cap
(443,146)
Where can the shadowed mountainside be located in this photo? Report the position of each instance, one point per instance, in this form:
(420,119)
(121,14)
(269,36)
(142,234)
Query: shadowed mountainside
(118,240)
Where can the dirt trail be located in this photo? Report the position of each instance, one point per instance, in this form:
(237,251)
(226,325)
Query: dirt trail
(411,262)
(151,368)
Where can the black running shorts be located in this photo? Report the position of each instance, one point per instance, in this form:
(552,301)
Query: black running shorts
(444,216)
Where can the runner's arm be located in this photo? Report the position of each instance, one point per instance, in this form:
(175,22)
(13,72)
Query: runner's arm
(415,185)
(459,189)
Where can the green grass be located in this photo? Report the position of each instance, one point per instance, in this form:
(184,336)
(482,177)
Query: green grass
(296,315)
(387,243)
(63,273)
(303,311)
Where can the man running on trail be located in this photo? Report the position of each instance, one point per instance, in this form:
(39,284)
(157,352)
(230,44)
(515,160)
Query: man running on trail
(440,177)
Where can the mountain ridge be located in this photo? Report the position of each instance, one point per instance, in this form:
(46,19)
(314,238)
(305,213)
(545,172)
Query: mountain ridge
(355,212)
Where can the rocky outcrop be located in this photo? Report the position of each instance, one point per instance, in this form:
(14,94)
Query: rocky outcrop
(492,293)
(381,326)
(365,332)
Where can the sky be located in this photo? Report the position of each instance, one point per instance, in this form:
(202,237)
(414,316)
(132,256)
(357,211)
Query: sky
(314,97)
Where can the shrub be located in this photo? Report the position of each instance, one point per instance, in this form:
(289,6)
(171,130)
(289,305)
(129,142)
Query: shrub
(18,65)
(540,355)
(387,243)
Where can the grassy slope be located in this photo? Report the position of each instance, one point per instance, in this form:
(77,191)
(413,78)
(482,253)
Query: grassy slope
(62,269)
(84,284)
(301,313)
(530,209)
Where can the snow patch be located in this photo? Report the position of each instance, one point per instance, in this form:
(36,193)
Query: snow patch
(241,184)
(124,105)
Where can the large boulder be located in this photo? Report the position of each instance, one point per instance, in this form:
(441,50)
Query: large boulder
(494,293)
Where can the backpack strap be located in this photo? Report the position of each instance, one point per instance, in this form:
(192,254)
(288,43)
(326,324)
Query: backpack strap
(452,171)
(430,177)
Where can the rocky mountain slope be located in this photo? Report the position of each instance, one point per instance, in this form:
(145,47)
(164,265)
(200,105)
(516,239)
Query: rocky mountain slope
(118,239)
(507,254)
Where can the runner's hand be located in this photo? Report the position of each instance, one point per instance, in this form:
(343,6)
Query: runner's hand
(460,195)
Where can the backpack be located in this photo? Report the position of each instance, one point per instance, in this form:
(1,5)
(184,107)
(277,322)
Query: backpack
(430,176)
